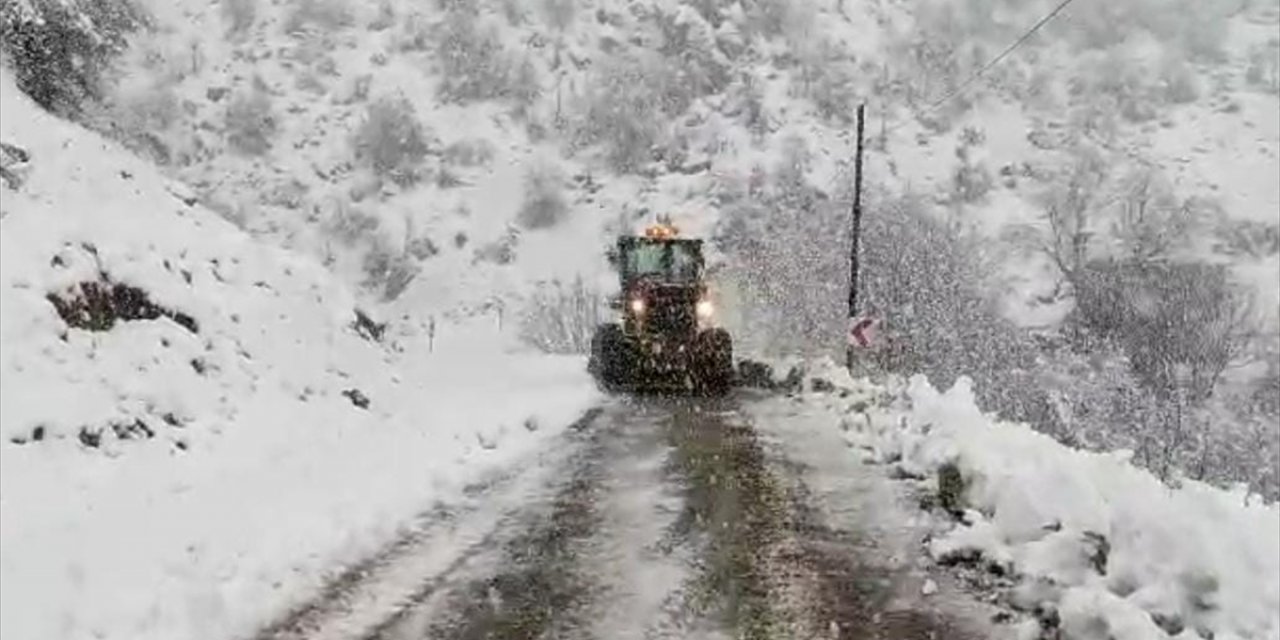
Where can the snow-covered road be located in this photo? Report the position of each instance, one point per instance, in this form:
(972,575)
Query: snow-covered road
(655,518)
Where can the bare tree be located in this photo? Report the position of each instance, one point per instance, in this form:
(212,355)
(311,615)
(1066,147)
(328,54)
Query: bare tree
(1070,209)
(1151,222)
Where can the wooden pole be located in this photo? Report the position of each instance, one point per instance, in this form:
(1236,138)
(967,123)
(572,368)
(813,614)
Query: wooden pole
(857,224)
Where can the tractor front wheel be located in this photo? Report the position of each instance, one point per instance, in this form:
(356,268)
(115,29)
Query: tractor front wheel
(610,361)
(713,362)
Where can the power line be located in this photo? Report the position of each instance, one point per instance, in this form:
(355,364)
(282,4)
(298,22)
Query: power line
(993,62)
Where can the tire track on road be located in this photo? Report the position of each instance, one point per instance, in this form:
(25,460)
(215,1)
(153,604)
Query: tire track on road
(373,594)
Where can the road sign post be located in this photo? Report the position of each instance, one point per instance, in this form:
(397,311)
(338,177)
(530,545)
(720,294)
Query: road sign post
(861,332)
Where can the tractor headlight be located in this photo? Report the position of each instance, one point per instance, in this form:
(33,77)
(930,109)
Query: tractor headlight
(705,309)
(637,305)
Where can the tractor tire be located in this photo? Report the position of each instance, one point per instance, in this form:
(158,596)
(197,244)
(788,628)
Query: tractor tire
(713,363)
(610,361)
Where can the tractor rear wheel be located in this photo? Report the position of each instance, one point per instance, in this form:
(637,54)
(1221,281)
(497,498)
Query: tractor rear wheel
(610,360)
(713,362)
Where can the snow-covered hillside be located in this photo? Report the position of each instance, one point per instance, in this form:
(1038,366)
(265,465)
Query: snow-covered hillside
(446,156)
(203,432)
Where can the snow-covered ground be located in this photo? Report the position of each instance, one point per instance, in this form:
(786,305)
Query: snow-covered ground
(1108,547)
(193,477)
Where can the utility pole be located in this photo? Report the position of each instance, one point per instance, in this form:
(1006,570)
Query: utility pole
(857,223)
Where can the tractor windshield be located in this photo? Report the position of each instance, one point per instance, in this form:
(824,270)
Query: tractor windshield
(667,261)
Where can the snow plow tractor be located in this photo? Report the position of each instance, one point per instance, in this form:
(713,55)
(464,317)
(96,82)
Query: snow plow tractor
(666,339)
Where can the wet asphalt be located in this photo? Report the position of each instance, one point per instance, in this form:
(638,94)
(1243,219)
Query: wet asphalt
(648,482)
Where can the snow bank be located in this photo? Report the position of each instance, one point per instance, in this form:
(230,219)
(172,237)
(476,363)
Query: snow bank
(193,474)
(1104,544)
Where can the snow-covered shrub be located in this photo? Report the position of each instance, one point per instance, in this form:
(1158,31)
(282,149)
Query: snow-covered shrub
(745,102)
(476,152)
(1178,82)
(385,18)
(1122,79)
(971,180)
(99,305)
(141,114)
(391,140)
(1152,223)
(1070,207)
(1196,28)
(834,92)
(544,204)
(624,110)
(776,18)
(560,317)
(239,15)
(474,65)
(559,13)
(524,88)
(514,12)
(386,272)
(1247,238)
(1181,324)
(250,123)
(317,15)
(350,225)
(59,49)
(1263,71)
(501,251)
(688,43)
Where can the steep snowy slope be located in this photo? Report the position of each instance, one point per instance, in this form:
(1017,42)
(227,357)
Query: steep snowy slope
(194,430)
(603,113)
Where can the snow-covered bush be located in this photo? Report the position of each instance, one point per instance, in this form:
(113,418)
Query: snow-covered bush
(827,78)
(501,251)
(142,115)
(559,13)
(1247,238)
(745,102)
(1178,83)
(1181,324)
(239,15)
(250,123)
(544,204)
(776,18)
(391,140)
(524,88)
(560,318)
(474,152)
(624,110)
(1130,287)
(474,65)
(317,15)
(59,49)
(689,45)
(349,224)
(1263,71)
(1122,79)
(971,180)
(388,272)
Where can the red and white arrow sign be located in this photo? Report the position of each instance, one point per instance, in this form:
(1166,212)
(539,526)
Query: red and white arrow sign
(861,331)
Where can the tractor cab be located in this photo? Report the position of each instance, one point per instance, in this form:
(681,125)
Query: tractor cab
(661,282)
(665,331)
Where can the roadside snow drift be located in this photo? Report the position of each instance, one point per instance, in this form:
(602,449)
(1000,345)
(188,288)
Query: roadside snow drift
(1098,547)
(194,431)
